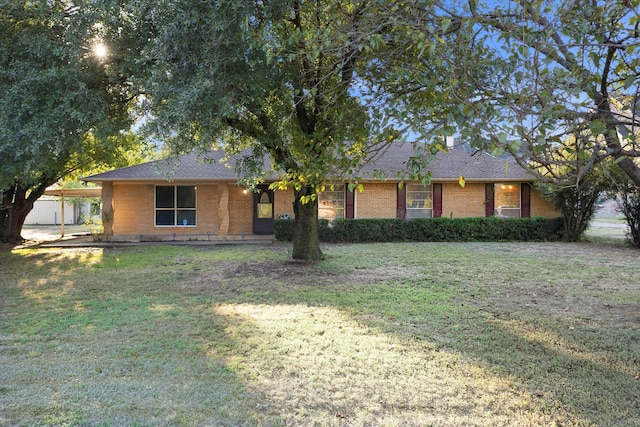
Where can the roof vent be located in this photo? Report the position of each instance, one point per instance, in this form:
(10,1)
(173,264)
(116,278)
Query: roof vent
(450,142)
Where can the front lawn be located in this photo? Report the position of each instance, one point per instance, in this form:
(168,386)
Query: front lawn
(443,334)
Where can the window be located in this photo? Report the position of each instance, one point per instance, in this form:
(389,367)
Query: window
(507,200)
(175,206)
(265,207)
(419,201)
(331,203)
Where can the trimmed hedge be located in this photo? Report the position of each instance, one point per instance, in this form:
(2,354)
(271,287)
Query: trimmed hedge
(490,229)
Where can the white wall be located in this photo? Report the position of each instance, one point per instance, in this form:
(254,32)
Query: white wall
(48,211)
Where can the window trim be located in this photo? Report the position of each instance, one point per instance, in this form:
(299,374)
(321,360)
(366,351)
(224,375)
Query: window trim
(337,188)
(517,189)
(411,209)
(175,209)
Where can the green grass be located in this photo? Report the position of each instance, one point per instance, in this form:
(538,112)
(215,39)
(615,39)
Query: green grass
(443,334)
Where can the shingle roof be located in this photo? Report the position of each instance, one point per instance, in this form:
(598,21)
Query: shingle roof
(207,166)
(448,165)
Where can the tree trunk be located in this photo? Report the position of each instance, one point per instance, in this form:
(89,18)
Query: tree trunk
(306,243)
(13,217)
(631,169)
(15,205)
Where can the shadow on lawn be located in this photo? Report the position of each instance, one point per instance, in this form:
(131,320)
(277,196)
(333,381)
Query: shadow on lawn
(317,360)
(565,368)
(587,371)
(284,343)
(575,371)
(119,351)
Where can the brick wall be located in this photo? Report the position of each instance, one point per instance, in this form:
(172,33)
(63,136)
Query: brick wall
(134,211)
(378,200)
(283,203)
(541,206)
(467,201)
(133,207)
(240,210)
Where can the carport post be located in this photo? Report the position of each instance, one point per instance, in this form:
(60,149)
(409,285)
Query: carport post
(62,214)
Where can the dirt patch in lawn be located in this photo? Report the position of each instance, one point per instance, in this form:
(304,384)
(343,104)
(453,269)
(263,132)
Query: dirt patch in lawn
(230,279)
(391,334)
(587,292)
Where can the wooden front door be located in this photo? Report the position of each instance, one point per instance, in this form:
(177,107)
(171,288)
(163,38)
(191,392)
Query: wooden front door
(263,211)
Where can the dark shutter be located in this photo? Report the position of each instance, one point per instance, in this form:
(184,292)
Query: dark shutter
(348,202)
(525,200)
(437,200)
(489,209)
(402,202)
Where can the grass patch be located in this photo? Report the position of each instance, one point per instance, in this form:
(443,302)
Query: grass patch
(389,334)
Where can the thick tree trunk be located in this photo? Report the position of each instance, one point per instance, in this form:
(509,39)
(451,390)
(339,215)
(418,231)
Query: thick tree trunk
(15,205)
(306,243)
(13,217)
(631,169)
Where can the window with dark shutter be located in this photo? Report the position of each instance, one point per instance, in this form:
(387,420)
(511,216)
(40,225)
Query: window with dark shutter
(331,202)
(419,201)
(507,200)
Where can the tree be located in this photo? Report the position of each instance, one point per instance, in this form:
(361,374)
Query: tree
(280,78)
(575,196)
(537,72)
(62,109)
(577,203)
(627,196)
(629,203)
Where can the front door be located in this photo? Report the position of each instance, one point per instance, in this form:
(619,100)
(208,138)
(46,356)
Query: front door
(263,211)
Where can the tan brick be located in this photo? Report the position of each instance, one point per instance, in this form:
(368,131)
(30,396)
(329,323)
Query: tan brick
(133,210)
(463,202)
(378,200)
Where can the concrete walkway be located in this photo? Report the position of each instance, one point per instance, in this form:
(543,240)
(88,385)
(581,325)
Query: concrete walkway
(48,236)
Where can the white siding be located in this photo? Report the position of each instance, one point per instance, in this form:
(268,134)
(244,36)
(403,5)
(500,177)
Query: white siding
(48,211)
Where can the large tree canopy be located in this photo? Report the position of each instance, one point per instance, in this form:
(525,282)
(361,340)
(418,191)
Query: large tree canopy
(556,83)
(62,108)
(282,78)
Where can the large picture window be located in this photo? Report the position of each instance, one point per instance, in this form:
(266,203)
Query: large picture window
(507,200)
(419,201)
(331,203)
(175,206)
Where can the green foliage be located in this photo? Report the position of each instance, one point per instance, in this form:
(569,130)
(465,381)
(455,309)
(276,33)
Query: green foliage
(522,77)
(431,230)
(576,202)
(627,195)
(278,79)
(62,109)
(96,228)
(630,206)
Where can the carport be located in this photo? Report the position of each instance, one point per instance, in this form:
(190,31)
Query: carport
(72,192)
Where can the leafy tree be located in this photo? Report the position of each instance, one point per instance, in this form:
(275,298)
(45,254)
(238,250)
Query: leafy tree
(537,72)
(62,109)
(574,193)
(577,203)
(284,79)
(629,203)
(627,196)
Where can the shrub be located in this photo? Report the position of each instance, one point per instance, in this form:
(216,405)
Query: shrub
(629,204)
(430,230)
(95,228)
(576,202)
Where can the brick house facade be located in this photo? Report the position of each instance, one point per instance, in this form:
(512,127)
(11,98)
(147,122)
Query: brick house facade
(191,199)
